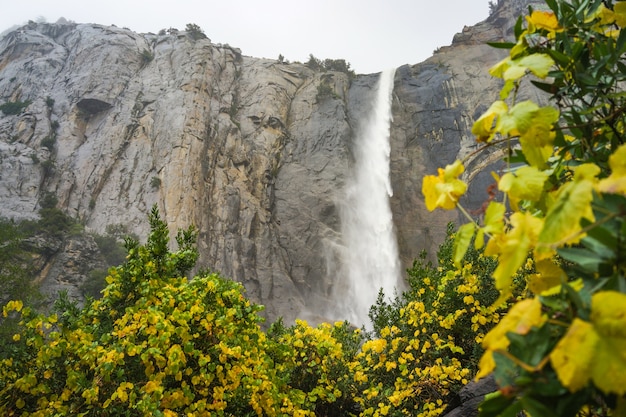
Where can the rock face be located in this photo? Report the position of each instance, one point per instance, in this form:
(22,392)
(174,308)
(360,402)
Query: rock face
(244,148)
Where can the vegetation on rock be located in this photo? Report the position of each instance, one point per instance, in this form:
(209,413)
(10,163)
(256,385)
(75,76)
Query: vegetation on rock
(14,107)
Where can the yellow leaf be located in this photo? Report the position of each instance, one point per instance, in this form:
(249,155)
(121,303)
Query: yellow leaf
(486,365)
(479,242)
(572,356)
(616,182)
(595,350)
(445,189)
(513,248)
(462,240)
(538,64)
(499,69)
(620,14)
(535,129)
(543,20)
(608,313)
(533,124)
(494,218)
(609,365)
(562,222)
(520,117)
(549,275)
(606,16)
(487,125)
(536,155)
(520,319)
(493,223)
(526,183)
(513,69)
(151,386)
(514,72)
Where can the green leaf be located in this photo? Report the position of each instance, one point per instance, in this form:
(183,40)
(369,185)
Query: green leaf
(519,28)
(506,370)
(535,408)
(547,87)
(584,258)
(560,58)
(494,404)
(501,45)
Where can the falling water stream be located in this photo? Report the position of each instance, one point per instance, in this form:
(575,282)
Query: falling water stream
(370,254)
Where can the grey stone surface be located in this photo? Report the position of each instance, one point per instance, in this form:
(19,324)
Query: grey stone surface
(241,147)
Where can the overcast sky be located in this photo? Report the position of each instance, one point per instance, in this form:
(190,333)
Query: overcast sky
(371,35)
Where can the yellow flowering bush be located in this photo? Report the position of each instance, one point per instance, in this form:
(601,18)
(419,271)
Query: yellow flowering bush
(156,343)
(426,343)
(159,344)
(560,350)
(317,365)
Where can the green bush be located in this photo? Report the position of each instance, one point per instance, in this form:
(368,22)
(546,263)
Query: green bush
(94,284)
(14,107)
(147,56)
(155,182)
(16,281)
(324,90)
(49,142)
(195,31)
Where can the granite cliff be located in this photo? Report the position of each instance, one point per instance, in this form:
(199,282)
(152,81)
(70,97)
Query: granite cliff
(246,149)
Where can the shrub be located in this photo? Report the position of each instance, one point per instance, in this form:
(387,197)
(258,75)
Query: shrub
(16,281)
(317,365)
(94,284)
(14,107)
(195,32)
(324,90)
(339,65)
(49,142)
(147,56)
(111,248)
(314,63)
(48,166)
(155,182)
(156,343)
(426,343)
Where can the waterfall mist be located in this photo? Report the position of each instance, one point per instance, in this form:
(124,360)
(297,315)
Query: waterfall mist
(369,251)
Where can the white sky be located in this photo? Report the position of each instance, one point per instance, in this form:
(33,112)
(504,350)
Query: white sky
(371,35)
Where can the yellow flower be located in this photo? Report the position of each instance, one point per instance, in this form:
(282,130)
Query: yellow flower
(542,20)
(445,189)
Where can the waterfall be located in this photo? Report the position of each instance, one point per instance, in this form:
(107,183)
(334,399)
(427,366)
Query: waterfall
(370,258)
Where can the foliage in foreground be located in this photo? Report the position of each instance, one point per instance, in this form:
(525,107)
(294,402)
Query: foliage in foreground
(157,343)
(560,351)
